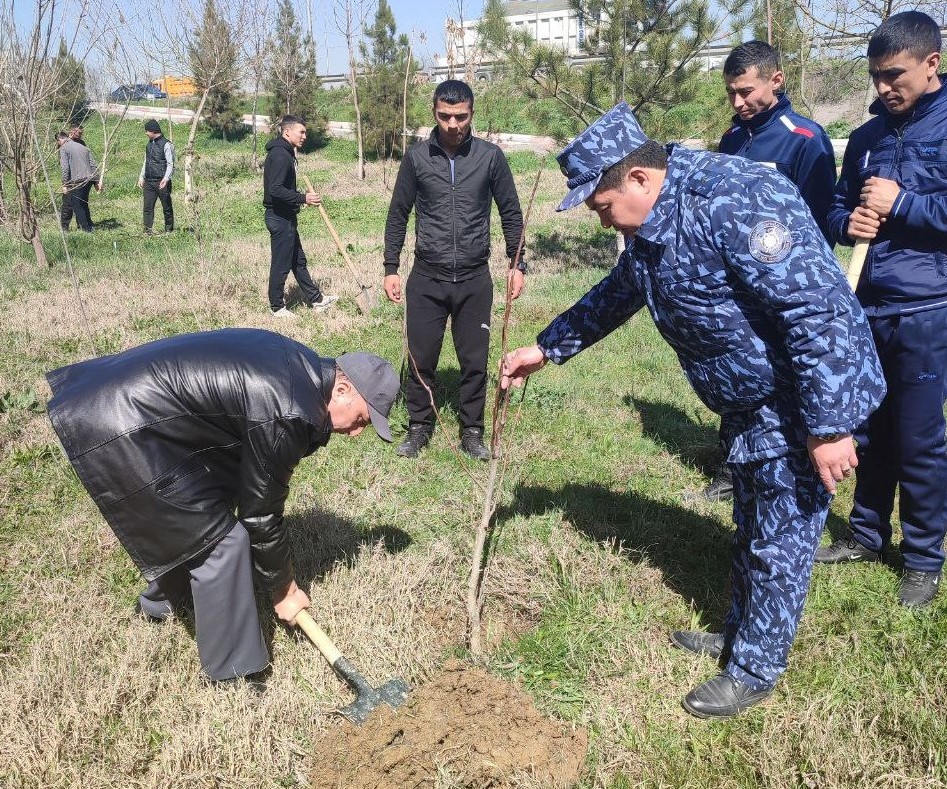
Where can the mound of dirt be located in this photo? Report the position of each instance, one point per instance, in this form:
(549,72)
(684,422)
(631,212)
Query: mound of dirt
(465,725)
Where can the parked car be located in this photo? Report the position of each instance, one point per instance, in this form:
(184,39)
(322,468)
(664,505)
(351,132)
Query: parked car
(137,93)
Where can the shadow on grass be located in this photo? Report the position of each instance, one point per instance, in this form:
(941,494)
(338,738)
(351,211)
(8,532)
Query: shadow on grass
(691,550)
(666,425)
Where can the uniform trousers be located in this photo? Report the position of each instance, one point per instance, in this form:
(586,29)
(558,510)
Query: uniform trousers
(468,304)
(779,507)
(901,446)
(153,192)
(286,254)
(226,621)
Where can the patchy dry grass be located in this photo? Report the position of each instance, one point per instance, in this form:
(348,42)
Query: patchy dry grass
(597,556)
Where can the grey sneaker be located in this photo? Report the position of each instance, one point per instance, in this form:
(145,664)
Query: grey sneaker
(323,303)
(285,314)
(918,588)
(845,551)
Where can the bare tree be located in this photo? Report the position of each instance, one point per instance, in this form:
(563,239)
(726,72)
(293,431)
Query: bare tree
(256,34)
(29,79)
(349,18)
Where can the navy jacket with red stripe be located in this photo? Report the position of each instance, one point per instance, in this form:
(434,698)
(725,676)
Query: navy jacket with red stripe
(796,146)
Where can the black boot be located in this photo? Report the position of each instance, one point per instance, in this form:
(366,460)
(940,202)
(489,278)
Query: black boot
(722,697)
(471,441)
(721,484)
(418,437)
(698,642)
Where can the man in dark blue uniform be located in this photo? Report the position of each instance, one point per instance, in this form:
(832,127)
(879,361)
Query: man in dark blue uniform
(893,192)
(740,282)
(766,130)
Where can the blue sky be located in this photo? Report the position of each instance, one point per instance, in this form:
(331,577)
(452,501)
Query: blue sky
(411,16)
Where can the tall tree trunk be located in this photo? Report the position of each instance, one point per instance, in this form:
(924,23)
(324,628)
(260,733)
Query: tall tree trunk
(256,101)
(360,166)
(189,196)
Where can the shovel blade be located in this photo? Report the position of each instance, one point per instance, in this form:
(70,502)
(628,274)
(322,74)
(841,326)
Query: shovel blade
(365,301)
(393,693)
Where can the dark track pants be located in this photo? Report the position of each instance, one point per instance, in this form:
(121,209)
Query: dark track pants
(226,621)
(468,304)
(286,254)
(76,201)
(901,446)
(153,193)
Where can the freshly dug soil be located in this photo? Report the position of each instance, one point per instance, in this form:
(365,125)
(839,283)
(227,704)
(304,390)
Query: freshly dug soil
(464,725)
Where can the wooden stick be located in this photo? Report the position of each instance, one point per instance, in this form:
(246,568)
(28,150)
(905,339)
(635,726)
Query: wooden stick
(857,262)
(478,564)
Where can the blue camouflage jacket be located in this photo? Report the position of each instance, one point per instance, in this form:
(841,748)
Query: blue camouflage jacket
(742,285)
(906,268)
(796,146)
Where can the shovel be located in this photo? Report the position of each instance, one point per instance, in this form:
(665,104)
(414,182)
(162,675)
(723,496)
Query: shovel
(365,301)
(393,693)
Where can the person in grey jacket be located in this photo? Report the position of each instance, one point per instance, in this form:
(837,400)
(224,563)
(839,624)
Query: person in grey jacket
(79,174)
(187,446)
(450,180)
(155,178)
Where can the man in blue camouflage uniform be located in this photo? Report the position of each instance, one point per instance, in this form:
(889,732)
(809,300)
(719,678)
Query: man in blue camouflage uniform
(765,129)
(893,193)
(740,282)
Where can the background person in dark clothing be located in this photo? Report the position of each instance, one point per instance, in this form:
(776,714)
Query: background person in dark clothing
(766,130)
(155,176)
(282,203)
(893,192)
(79,174)
(450,181)
(187,446)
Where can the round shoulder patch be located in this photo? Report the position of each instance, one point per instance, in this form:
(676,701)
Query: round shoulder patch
(770,241)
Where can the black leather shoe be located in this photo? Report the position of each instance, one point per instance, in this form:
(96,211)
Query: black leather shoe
(918,588)
(698,642)
(722,697)
(721,484)
(418,437)
(844,551)
(471,441)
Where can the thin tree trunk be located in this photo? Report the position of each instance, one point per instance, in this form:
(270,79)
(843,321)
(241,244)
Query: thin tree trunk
(404,104)
(360,166)
(189,196)
(256,100)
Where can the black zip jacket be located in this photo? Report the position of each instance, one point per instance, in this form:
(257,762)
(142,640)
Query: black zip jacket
(279,179)
(452,216)
(178,439)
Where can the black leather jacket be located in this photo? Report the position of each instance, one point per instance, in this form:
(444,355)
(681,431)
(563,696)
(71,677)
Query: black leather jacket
(178,439)
(452,209)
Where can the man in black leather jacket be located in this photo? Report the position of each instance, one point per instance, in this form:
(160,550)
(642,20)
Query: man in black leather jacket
(187,446)
(451,181)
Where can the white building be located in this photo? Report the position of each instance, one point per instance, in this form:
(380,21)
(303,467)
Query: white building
(549,22)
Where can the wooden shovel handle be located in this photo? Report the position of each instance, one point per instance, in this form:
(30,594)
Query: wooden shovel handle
(335,235)
(857,262)
(318,637)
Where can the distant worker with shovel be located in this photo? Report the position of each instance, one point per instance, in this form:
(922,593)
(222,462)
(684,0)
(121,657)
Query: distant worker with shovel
(732,266)
(282,202)
(187,446)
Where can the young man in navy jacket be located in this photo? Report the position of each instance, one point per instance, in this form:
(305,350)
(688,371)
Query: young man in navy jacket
(893,193)
(765,129)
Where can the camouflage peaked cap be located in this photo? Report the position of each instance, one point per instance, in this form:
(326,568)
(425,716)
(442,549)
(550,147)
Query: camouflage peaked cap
(606,142)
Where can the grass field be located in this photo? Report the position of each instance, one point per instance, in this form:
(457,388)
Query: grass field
(598,553)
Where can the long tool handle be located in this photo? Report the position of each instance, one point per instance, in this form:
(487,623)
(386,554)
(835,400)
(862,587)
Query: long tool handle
(335,236)
(857,262)
(318,637)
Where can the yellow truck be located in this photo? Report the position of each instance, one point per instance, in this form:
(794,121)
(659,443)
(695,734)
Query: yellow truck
(176,86)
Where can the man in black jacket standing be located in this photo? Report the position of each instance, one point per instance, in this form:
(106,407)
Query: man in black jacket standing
(155,178)
(450,180)
(282,203)
(187,446)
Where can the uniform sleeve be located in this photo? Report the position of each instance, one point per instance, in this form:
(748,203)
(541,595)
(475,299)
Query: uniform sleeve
(815,173)
(774,250)
(508,202)
(271,452)
(402,202)
(598,313)
(926,212)
(846,196)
